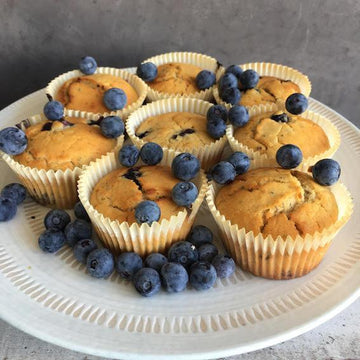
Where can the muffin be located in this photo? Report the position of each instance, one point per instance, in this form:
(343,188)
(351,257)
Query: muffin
(278,223)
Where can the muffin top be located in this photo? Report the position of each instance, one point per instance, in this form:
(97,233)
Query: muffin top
(86,92)
(277,202)
(266,135)
(181,131)
(118,193)
(176,78)
(53,145)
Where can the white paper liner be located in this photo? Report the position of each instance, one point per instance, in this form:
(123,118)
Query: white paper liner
(203,61)
(54,188)
(259,159)
(207,154)
(138,84)
(143,239)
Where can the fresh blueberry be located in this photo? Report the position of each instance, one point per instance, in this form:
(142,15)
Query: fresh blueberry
(7,209)
(13,141)
(115,99)
(56,219)
(83,248)
(238,115)
(87,65)
(289,156)
(185,166)
(216,128)
(174,277)
(280,117)
(100,263)
(128,155)
(127,264)
(235,70)
(54,110)
(217,111)
(184,253)
(249,79)
(184,193)
(326,172)
(80,212)
(202,275)
(205,79)
(200,235)
(112,127)
(231,95)
(151,153)
(296,103)
(77,230)
(15,192)
(223,172)
(224,265)
(51,240)
(240,161)
(147,282)
(147,71)
(155,261)
(147,212)
(207,252)
(227,81)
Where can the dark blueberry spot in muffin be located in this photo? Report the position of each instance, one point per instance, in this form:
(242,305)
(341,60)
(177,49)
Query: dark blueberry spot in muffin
(133,174)
(142,135)
(183,133)
(280,117)
(47,126)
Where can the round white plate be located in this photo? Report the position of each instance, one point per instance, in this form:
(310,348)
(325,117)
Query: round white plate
(52,297)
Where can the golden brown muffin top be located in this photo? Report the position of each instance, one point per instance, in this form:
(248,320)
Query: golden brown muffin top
(265,135)
(86,92)
(176,78)
(118,193)
(55,146)
(277,202)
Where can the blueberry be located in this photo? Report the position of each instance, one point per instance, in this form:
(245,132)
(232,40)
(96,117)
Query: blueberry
(216,128)
(202,275)
(224,265)
(151,153)
(240,161)
(147,282)
(280,117)
(184,253)
(147,71)
(147,212)
(155,261)
(200,235)
(115,99)
(217,111)
(112,127)
(223,172)
(83,248)
(80,212)
(174,277)
(184,193)
(326,172)
(227,81)
(77,230)
(128,155)
(87,65)
(296,103)
(7,209)
(205,79)
(231,95)
(289,156)
(15,192)
(185,166)
(235,70)
(249,79)
(100,263)
(56,219)
(127,264)
(207,252)
(51,240)
(54,110)
(238,115)
(13,141)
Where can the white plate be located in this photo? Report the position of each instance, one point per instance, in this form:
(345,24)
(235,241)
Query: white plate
(52,297)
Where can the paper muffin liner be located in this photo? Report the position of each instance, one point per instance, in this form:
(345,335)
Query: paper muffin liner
(269,69)
(203,61)
(207,154)
(279,258)
(54,188)
(258,159)
(143,239)
(138,84)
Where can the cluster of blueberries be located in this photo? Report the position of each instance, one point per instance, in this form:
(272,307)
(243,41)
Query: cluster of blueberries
(11,196)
